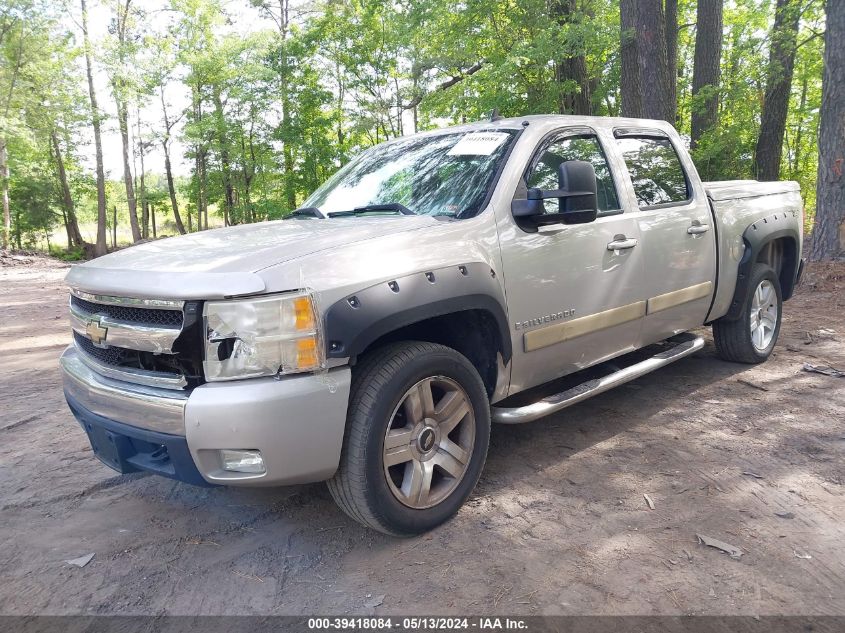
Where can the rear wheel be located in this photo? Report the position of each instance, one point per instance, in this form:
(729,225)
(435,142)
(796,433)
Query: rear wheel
(752,337)
(416,438)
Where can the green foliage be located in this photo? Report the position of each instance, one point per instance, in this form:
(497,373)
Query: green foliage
(33,188)
(275,105)
(727,152)
(75,254)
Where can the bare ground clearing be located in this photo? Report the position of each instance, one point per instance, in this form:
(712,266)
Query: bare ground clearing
(558,525)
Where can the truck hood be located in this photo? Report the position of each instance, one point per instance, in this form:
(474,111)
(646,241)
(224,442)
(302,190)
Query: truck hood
(223,262)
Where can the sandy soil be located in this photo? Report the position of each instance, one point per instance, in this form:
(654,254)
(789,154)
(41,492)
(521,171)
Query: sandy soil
(752,456)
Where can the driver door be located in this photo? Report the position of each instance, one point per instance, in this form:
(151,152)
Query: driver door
(573,291)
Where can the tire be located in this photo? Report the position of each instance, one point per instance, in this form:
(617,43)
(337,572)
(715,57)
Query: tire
(749,339)
(389,421)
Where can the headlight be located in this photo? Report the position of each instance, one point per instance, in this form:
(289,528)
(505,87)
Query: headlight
(246,338)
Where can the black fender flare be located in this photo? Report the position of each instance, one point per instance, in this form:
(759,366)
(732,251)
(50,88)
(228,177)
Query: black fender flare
(356,321)
(756,237)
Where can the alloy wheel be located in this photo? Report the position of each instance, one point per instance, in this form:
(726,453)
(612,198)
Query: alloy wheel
(429,442)
(763,317)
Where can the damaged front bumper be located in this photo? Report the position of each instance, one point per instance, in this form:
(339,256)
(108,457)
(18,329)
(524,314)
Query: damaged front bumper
(296,423)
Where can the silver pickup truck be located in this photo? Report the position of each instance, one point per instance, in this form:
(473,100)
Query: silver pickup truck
(494,272)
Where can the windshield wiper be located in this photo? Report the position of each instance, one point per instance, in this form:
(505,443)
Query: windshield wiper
(307,212)
(375,208)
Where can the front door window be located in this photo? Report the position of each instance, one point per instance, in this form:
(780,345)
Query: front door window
(544,172)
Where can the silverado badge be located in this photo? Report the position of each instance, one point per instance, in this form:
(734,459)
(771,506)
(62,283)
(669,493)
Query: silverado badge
(548,318)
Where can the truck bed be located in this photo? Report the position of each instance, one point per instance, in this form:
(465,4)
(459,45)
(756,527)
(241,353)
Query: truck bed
(718,190)
(736,204)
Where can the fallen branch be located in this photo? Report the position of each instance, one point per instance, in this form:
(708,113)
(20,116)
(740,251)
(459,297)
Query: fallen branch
(733,550)
(826,371)
(751,384)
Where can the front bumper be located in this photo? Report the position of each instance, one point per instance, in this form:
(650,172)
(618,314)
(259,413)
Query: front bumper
(296,422)
(129,449)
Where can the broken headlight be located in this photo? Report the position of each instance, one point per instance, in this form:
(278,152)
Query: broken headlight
(265,336)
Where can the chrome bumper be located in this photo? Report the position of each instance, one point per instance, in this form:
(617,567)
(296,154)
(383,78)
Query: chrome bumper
(161,410)
(297,422)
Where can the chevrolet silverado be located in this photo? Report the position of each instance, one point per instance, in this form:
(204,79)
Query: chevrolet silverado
(494,272)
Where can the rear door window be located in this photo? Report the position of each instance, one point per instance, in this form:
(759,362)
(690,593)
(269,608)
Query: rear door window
(656,171)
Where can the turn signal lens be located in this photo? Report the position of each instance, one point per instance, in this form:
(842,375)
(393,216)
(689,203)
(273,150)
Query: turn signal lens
(304,314)
(306,353)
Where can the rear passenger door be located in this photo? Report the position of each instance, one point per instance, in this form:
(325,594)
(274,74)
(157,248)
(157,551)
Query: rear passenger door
(676,229)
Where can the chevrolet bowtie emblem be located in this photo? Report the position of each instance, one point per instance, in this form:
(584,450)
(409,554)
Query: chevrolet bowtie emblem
(95,331)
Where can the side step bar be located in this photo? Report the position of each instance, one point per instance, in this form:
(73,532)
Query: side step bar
(686,345)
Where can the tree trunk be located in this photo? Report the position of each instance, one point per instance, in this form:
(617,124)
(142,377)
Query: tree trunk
(797,153)
(575,68)
(71,223)
(172,190)
(287,150)
(198,172)
(202,210)
(114,227)
(671,29)
(145,210)
(67,229)
(248,202)
(122,107)
(123,123)
(100,248)
(705,73)
(18,228)
(199,165)
(4,147)
(228,202)
(631,92)
(4,177)
(645,70)
(571,68)
(165,143)
(415,113)
(205,192)
(153,218)
(289,181)
(767,155)
(653,67)
(829,226)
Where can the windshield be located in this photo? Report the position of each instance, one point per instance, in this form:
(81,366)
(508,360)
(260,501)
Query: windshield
(442,175)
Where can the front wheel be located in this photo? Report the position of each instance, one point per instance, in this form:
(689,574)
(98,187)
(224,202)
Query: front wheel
(752,337)
(416,438)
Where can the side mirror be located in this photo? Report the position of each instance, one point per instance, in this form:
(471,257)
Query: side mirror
(576,197)
(579,205)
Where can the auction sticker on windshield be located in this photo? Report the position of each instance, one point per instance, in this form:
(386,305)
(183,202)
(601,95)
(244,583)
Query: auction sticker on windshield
(478,144)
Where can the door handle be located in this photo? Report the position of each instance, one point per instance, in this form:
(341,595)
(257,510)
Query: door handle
(621,244)
(698,229)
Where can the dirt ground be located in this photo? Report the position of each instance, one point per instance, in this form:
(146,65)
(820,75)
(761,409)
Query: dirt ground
(752,456)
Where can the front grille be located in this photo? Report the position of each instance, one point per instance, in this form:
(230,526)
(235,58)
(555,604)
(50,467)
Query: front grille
(114,356)
(140,316)
(169,345)
(118,357)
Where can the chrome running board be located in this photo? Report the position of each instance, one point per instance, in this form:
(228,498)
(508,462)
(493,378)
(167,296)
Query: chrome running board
(689,344)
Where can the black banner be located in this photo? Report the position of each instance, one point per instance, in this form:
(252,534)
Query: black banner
(531,624)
